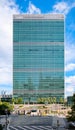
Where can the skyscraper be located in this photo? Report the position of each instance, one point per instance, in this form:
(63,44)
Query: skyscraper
(38,56)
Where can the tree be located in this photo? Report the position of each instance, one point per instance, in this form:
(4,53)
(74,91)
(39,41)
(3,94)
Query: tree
(61,100)
(41,100)
(4,106)
(54,99)
(20,100)
(13,100)
(47,100)
(71,114)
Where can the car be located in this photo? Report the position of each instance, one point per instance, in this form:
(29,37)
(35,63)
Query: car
(34,112)
(28,112)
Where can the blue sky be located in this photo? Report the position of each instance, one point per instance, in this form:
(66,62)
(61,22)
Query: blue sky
(10,7)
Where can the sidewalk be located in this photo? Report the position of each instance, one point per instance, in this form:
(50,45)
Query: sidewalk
(59,123)
(3,121)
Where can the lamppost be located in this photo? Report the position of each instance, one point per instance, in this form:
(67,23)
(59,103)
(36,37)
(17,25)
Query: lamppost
(6,118)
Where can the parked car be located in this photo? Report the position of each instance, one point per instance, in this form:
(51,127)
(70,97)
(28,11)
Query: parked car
(34,112)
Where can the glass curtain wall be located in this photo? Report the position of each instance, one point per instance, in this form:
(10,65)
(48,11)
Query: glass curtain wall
(38,56)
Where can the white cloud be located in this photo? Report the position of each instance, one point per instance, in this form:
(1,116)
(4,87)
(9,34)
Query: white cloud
(7,9)
(70,67)
(32,9)
(63,7)
(5,76)
(70,80)
(69,53)
(70,85)
(69,90)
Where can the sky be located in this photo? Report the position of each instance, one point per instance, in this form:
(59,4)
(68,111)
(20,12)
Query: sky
(10,7)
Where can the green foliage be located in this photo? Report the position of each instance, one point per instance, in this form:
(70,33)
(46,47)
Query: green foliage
(48,100)
(13,100)
(54,99)
(4,106)
(0,102)
(17,100)
(20,100)
(61,100)
(71,115)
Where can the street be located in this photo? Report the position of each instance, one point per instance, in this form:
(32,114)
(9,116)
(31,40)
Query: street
(22,122)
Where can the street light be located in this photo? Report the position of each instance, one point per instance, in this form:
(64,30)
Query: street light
(6,118)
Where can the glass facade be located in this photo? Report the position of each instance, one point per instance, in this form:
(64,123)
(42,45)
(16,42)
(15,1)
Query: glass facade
(38,56)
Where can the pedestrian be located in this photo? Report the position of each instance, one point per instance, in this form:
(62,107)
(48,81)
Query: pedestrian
(24,112)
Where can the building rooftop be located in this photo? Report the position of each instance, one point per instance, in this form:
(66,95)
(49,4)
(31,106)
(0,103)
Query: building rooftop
(38,16)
